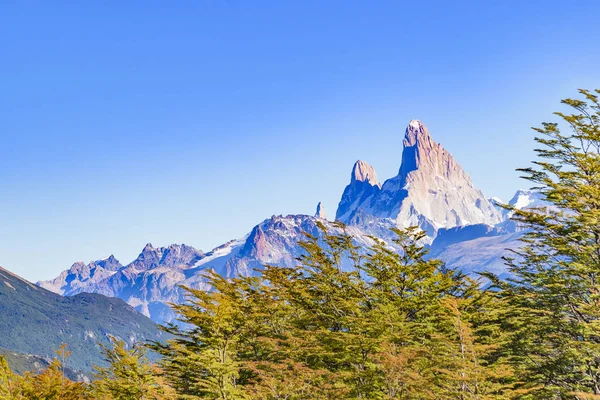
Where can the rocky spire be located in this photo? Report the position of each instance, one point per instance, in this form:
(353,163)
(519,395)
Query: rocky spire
(431,190)
(421,152)
(363,183)
(176,255)
(321,211)
(363,172)
(417,132)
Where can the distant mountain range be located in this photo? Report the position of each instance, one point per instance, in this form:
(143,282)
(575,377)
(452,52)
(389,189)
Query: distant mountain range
(464,228)
(34,322)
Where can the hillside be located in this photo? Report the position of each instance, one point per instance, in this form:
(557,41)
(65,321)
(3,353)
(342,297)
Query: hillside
(36,321)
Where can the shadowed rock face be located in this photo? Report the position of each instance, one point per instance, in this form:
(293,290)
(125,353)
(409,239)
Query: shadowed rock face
(431,190)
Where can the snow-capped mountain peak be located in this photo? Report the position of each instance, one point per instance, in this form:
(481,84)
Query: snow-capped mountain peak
(526,199)
(431,190)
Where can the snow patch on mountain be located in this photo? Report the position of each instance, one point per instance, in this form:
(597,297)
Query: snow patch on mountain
(528,199)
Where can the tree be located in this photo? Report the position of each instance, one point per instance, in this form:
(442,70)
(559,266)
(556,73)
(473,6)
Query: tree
(437,342)
(554,297)
(204,361)
(345,323)
(128,376)
(51,383)
(10,383)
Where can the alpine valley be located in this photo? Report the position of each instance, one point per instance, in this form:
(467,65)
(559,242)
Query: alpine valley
(464,228)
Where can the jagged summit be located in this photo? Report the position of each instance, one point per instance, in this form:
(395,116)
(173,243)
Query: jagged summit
(416,131)
(108,276)
(363,172)
(422,152)
(176,255)
(81,274)
(363,184)
(321,211)
(526,199)
(431,190)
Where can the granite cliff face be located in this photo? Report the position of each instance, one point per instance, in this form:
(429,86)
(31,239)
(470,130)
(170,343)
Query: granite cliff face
(431,190)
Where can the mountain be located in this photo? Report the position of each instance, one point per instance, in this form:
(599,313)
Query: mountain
(76,278)
(149,283)
(431,190)
(475,248)
(275,242)
(36,321)
(528,199)
(363,185)
(478,248)
(464,228)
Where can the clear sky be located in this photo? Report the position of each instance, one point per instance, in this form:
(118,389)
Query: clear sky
(130,122)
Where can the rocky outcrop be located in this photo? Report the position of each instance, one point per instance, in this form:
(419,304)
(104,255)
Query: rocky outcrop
(176,255)
(363,185)
(321,214)
(81,276)
(431,190)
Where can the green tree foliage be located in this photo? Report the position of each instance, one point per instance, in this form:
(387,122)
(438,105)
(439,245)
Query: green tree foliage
(553,309)
(10,383)
(51,383)
(387,322)
(203,361)
(344,323)
(128,376)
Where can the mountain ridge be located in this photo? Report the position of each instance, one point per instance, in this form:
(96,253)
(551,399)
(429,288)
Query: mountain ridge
(431,190)
(424,192)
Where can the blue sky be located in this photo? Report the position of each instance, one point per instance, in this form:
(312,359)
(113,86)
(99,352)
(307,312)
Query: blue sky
(124,123)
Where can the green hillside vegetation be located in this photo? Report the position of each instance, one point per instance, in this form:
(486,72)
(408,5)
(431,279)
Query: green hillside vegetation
(399,325)
(36,321)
